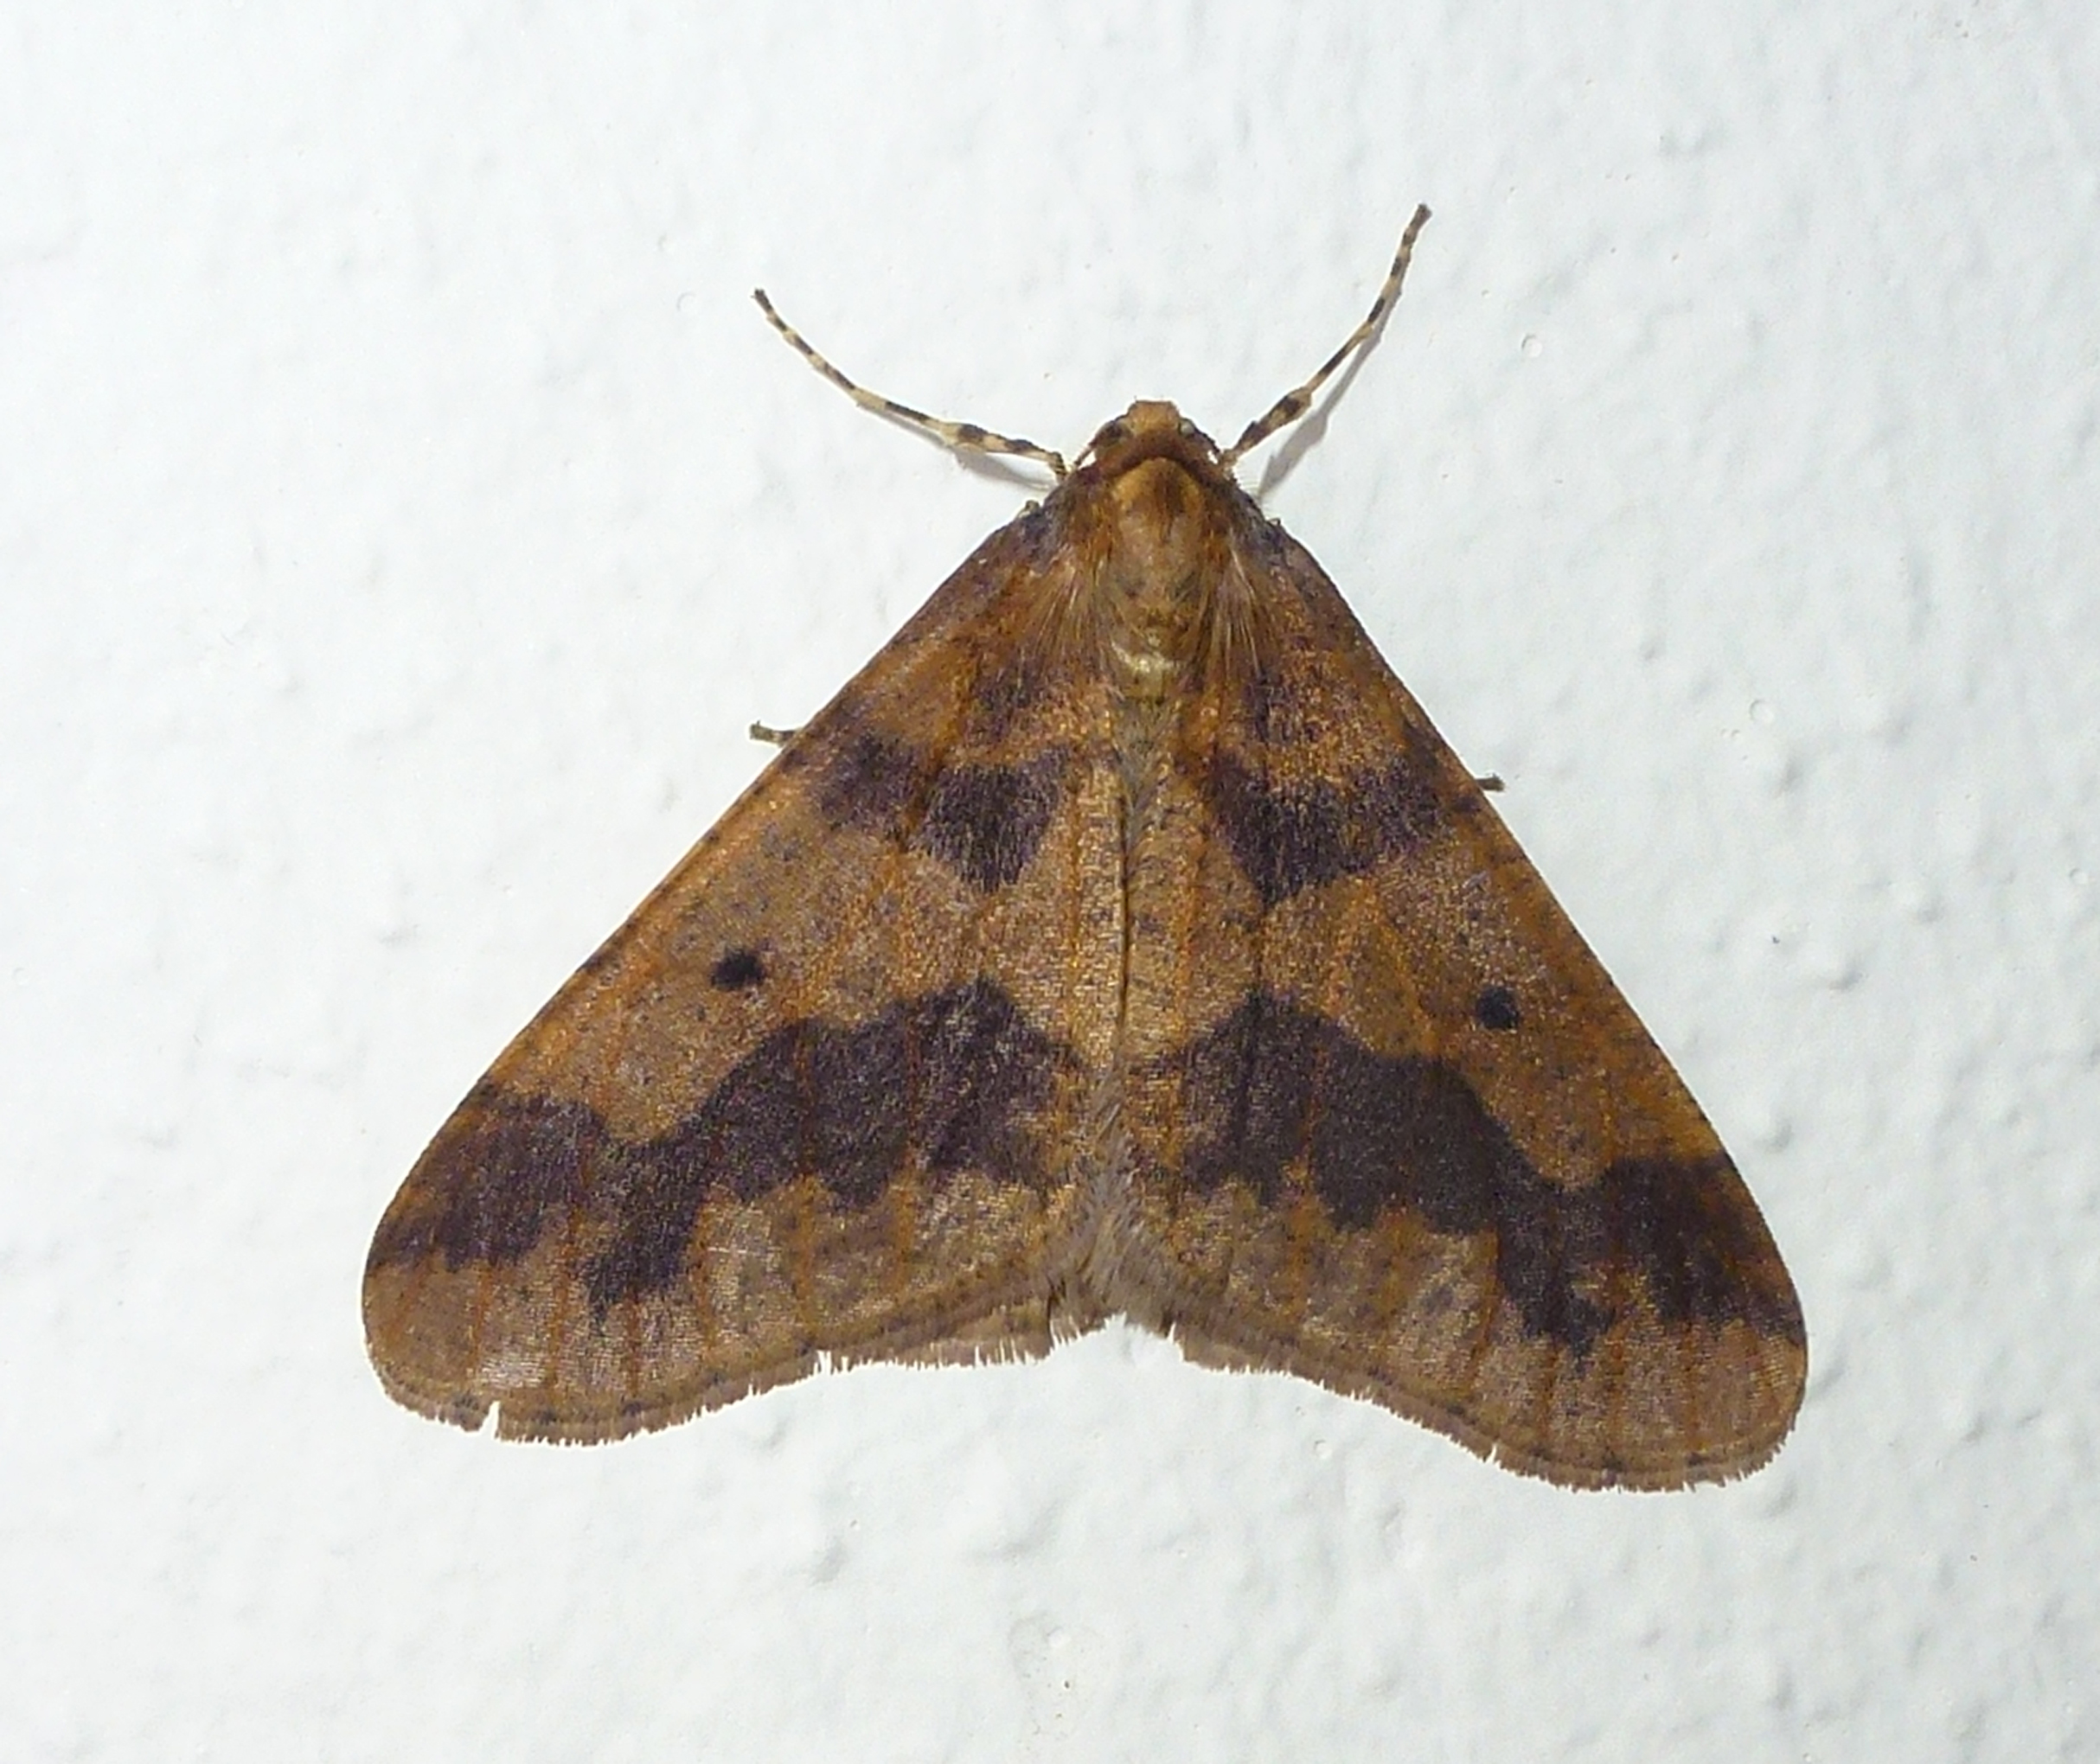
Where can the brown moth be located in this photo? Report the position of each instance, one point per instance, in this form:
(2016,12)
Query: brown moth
(1121,940)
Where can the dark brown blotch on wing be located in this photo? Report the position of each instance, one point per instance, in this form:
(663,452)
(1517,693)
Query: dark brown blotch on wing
(1287,837)
(498,1173)
(874,782)
(1009,687)
(984,821)
(947,1082)
(1274,1084)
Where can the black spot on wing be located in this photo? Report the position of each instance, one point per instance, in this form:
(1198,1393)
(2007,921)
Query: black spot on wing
(739,970)
(1274,1084)
(1497,1008)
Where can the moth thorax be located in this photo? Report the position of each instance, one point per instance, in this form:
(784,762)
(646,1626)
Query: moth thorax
(1158,567)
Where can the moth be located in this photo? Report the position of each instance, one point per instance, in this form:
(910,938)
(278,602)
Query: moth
(1122,939)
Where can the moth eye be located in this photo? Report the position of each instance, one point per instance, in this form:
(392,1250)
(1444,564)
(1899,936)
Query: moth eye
(739,970)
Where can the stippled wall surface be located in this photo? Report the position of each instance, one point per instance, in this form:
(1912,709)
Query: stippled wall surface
(403,514)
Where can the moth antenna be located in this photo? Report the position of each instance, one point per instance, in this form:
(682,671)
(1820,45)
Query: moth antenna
(1293,404)
(966,438)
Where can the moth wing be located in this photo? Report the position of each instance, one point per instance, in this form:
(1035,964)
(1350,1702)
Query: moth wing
(1391,1125)
(858,1019)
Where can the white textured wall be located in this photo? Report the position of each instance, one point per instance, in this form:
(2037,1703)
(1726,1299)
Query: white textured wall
(402,513)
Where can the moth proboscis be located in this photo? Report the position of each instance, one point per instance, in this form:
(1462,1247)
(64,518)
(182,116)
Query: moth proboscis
(1121,940)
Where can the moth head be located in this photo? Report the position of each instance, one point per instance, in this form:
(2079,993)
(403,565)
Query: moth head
(1151,429)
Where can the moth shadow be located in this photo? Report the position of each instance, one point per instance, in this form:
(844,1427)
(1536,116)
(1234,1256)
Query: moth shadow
(1005,469)
(1311,429)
